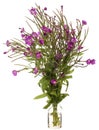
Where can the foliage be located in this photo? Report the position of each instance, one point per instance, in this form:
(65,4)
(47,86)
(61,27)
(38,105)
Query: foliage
(52,52)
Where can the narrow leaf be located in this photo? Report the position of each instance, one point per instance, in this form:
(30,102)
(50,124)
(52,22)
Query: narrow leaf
(68,77)
(41,96)
(46,106)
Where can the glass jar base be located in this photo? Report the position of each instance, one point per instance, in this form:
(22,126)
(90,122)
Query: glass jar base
(54,127)
(54,118)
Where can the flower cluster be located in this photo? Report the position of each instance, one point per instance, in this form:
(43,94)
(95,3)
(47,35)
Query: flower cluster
(52,52)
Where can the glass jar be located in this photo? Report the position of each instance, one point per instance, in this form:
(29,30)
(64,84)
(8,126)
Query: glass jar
(55,116)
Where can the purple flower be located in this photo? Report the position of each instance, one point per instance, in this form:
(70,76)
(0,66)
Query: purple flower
(23,36)
(74,40)
(53,82)
(14,72)
(33,11)
(41,41)
(80,47)
(84,22)
(46,29)
(28,40)
(45,8)
(34,34)
(93,61)
(5,52)
(7,43)
(90,61)
(22,30)
(35,70)
(70,45)
(38,55)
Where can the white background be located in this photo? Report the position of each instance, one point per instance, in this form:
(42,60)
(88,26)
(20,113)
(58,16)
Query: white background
(18,110)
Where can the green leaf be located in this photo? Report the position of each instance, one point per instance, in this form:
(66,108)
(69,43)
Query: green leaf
(53,93)
(67,84)
(41,96)
(69,76)
(46,106)
(62,96)
(44,83)
(70,71)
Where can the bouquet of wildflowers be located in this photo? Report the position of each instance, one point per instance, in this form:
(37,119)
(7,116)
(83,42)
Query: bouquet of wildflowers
(52,52)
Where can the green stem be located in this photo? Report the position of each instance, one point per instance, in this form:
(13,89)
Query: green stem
(56,120)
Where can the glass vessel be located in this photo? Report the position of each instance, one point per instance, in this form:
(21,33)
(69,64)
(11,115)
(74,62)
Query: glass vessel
(55,116)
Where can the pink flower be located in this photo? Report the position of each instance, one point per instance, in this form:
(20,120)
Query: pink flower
(34,34)
(46,29)
(41,41)
(35,70)
(14,72)
(38,55)
(53,81)
(84,22)
(93,61)
(90,61)
(29,40)
(73,39)
(7,43)
(33,11)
